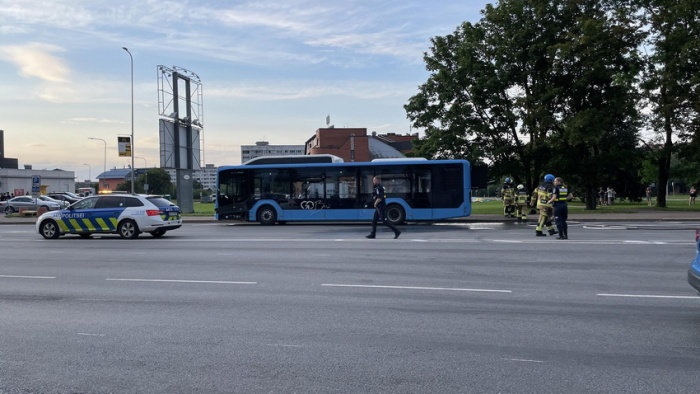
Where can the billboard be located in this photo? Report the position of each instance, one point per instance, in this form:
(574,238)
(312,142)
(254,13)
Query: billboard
(179,145)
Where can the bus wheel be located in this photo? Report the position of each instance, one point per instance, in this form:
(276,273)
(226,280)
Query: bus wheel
(267,215)
(395,214)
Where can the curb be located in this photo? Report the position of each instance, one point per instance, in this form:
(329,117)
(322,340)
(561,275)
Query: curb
(469,219)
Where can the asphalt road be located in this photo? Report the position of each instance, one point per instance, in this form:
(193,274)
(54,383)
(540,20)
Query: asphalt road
(462,308)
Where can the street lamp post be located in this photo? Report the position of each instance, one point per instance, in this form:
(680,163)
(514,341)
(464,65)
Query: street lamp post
(89,172)
(132,118)
(104,171)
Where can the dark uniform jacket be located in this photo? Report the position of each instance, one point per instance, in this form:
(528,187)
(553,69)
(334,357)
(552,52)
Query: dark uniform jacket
(378,193)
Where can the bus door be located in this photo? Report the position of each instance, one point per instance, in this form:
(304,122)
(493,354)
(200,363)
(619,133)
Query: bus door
(341,188)
(307,195)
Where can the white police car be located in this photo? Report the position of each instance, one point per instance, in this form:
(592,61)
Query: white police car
(125,214)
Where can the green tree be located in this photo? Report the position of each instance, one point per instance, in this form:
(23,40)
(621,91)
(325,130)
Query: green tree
(158,182)
(597,65)
(529,89)
(672,82)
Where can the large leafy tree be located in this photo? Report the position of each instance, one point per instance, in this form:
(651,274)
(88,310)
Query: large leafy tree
(158,182)
(529,88)
(597,65)
(672,81)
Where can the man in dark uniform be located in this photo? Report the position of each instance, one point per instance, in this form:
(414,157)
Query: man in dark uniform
(559,200)
(380,209)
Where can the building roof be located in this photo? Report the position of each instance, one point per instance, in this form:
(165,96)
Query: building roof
(117,173)
(381,150)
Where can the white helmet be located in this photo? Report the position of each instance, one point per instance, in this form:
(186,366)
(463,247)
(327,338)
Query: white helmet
(520,187)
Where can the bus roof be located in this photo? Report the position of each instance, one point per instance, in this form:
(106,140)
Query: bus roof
(350,164)
(293,159)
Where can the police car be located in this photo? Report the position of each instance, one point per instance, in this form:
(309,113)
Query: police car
(125,214)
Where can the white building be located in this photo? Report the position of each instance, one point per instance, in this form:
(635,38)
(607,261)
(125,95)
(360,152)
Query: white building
(19,181)
(206,176)
(263,148)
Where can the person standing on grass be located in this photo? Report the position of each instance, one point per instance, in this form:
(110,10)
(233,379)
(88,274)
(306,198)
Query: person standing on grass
(649,196)
(693,194)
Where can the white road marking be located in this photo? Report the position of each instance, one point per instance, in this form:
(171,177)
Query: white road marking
(416,288)
(283,345)
(649,296)
(524,360)
(27,277)
(225,282)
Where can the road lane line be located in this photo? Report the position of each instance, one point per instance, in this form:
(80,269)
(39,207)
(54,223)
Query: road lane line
(648,296)
(27,277)
(225,282)
(524,360)
(416,288)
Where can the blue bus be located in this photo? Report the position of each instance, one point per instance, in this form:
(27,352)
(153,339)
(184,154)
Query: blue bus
(269,193)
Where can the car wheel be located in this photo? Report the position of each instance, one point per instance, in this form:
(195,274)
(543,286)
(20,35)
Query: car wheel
(157,233)
(128,229)
(267,215)
(49,229)
(9,210)
(85,235)
(395,214)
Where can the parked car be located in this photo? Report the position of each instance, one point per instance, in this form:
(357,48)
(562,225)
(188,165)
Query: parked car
(694,271)
(125,214)
(14,204)
(61,203)
(69,197)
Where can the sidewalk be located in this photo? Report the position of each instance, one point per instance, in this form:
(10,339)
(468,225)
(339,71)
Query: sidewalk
(646,216)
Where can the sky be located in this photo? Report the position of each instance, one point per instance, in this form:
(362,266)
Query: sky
(270,71)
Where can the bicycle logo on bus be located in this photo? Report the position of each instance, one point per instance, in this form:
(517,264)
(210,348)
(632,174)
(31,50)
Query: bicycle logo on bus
(308,204)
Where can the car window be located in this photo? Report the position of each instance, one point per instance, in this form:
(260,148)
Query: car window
(87,203)
(24,199)
(110,202)
(132,202)
(160,201)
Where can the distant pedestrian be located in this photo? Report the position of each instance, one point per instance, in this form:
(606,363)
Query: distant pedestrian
(693,194)
(649,196)
(602,196)
(379,204)
(611,196)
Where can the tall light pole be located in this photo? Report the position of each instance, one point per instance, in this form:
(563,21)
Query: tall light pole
(132,118)
(89,172)
(105,164)
(145,174)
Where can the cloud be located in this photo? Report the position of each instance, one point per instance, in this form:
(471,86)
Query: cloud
(293,90)
(91,120)
(36,60)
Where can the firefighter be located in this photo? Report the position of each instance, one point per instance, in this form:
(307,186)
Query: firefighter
(543,194)
(508,196)
(521,200)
